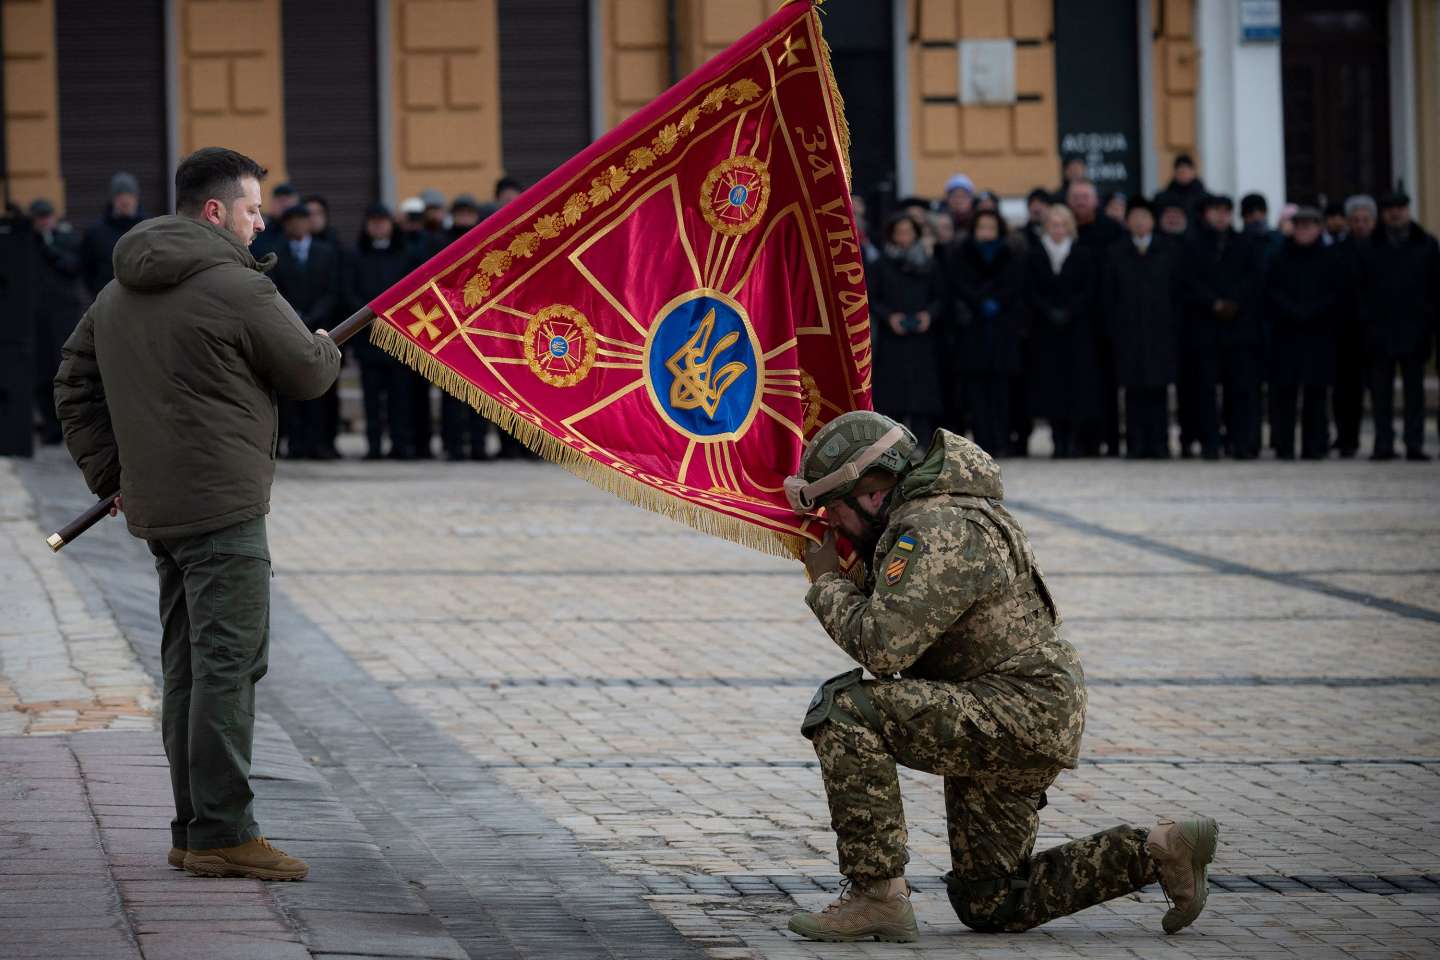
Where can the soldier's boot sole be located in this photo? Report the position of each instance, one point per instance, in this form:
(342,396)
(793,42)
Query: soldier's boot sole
(1206,839)
(217,867)
(903,932)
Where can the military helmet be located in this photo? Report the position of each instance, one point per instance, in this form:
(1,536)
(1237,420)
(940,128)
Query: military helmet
(842,451)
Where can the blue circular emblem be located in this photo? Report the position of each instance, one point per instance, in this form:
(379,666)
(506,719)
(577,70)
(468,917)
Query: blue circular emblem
(739,194)
(703,367)
(559,346)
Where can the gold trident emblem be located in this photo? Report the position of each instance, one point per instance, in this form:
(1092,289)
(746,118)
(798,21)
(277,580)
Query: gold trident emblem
(697,385)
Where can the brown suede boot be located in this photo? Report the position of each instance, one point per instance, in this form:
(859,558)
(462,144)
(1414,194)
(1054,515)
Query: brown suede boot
(1181,852)
(880,910)
(255,859)
(176,857)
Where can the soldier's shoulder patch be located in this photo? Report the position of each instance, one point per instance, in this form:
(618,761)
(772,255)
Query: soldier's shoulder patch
(899,559)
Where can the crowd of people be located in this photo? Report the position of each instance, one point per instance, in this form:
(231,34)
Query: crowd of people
(979,325)
(325,279)
(985,328)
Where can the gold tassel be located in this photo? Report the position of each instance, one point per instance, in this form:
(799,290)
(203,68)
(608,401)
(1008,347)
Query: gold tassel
(842,126)
(700,518)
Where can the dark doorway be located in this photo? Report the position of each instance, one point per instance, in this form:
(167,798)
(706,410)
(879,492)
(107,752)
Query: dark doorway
(544,85)
(863,56)
(332,140)
(1336,90)
(1097,83)
(112,103)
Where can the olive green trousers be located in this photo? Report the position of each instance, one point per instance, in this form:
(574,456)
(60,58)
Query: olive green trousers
(215,620)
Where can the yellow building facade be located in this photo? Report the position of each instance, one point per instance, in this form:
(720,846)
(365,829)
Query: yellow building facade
(447,119)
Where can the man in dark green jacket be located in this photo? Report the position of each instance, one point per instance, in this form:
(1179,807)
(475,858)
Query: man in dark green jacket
(167,394)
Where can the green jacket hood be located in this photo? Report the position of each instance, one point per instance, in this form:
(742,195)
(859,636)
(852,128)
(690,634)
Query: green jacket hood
(165,251)
(955,467)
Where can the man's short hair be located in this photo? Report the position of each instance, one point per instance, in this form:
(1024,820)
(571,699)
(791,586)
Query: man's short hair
(1253,203)
(508,183)
(212,173)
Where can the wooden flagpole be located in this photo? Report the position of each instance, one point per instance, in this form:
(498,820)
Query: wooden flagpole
(352,325)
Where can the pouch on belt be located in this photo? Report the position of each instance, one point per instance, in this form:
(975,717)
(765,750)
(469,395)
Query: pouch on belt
(823,707)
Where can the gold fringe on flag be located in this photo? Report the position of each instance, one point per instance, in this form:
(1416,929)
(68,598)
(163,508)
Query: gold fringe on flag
(842,125)
(607,478)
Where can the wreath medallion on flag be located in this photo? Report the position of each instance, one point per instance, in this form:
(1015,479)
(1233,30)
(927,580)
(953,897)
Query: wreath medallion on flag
(734,195)
(560,345)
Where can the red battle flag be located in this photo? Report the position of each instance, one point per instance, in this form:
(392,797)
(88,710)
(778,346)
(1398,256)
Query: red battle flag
(674,311)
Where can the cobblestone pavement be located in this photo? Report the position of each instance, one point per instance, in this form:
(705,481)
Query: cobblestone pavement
(483,645)
(66,667)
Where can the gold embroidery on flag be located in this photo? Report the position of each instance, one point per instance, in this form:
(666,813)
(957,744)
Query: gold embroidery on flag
(572,449)
(697,384)
(735,194)
(560,345)
(477,288)
(606,185)
(425,321)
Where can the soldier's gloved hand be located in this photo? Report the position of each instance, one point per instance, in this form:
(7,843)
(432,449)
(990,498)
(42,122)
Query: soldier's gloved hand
(822,557)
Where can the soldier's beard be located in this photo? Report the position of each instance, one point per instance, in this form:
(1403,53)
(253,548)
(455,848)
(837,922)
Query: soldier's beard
(867,541)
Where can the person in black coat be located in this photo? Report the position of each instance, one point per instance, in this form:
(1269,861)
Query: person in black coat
(1352,363)
(905,304)
(1060,283)
(307,274)
(1143,287)
(986,318)
(272,238)
(59,302)
(1303,290)
(97,246)
(379,261)
(1186,187)
(320,229)
(1222,334)
(1096,233)
(463,432)
(1401,300)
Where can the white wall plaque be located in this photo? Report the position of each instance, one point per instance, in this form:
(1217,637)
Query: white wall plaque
(987,71)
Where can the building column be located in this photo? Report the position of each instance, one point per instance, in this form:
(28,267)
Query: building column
(1170,84)
(1009,148)
(445,96)
(1242,123)
(1404,97)
(227,59)
(32,103)
(1426,189)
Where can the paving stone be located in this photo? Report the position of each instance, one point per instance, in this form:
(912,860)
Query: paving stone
(70,944)
(348,931)
(164,945)
(542,663)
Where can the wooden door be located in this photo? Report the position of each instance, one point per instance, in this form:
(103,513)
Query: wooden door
(112,103)
(1336,94)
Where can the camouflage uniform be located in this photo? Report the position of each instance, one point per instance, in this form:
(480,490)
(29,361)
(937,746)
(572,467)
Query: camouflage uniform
(988,696)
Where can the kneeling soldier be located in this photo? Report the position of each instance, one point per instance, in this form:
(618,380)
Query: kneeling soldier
(974,683)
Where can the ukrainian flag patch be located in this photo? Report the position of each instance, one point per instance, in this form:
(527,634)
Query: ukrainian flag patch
(899,560)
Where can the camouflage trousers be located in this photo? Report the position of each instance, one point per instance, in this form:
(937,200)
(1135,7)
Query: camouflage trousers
(994,789)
